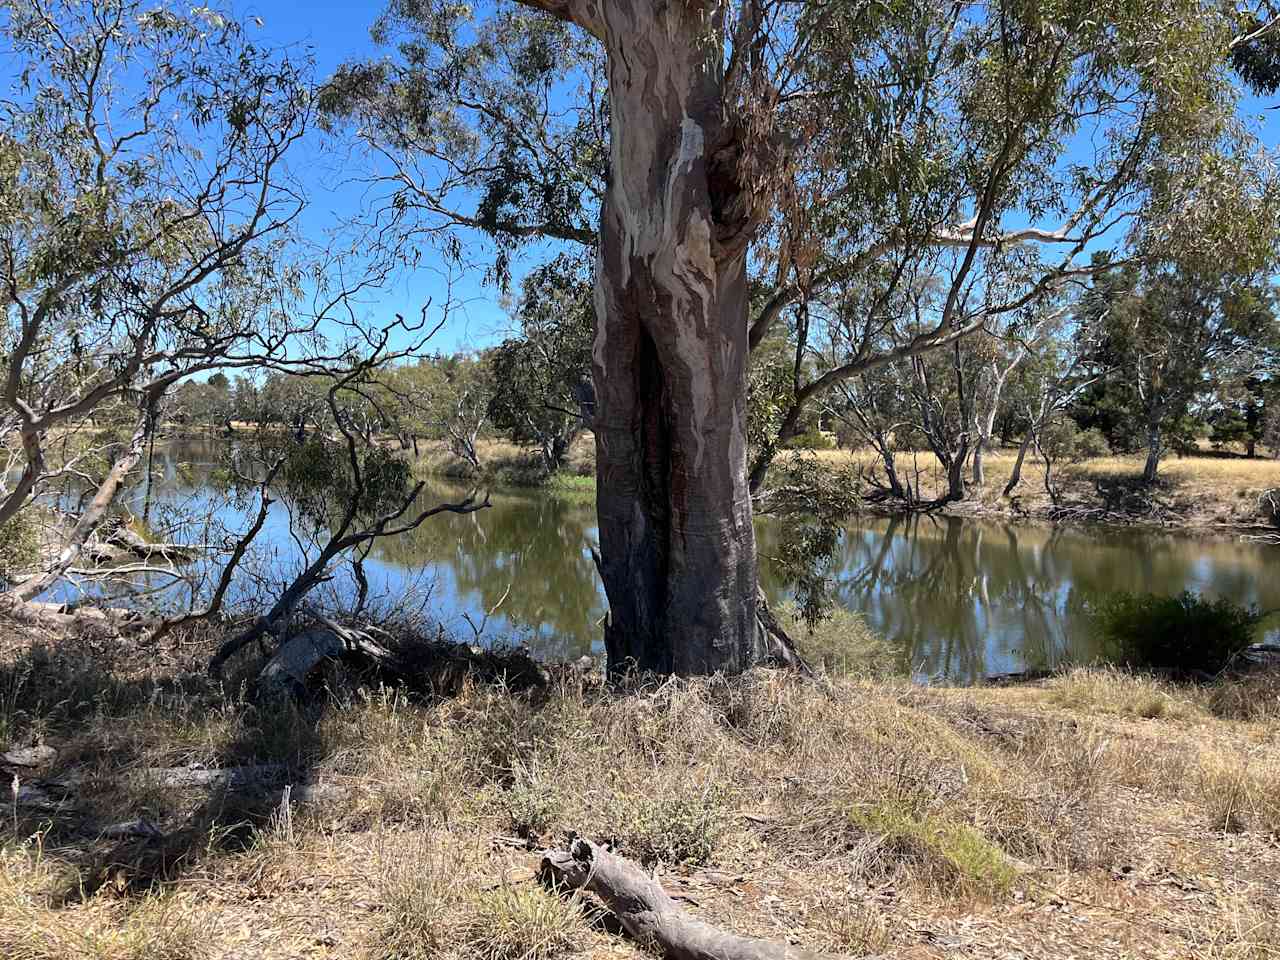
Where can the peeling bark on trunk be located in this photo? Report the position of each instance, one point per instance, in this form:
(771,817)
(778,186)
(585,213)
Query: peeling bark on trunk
(670,356)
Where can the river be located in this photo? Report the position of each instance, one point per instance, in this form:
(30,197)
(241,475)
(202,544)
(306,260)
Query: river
(957,598)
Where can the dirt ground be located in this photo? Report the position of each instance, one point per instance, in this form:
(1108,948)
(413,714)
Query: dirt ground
(1094,815)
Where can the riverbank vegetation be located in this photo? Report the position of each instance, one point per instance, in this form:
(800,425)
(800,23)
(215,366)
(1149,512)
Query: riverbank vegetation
(800,258)
(1097,811)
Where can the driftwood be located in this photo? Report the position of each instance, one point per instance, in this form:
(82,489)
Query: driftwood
(647,913)
(286,672)
(439,666)
(138,547)
(72,618)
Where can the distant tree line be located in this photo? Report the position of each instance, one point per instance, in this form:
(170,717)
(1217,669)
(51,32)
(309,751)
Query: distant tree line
(1133,363)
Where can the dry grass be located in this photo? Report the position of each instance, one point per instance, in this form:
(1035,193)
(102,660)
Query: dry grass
(861,816)
(1108,690)
(507,462)
(1195,490)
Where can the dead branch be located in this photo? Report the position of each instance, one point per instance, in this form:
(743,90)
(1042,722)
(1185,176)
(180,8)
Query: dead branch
(647,913)
(430,665)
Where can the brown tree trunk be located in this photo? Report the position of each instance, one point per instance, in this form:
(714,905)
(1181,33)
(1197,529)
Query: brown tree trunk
(1153,456)
(678,552)
(957,489)
(1016,476)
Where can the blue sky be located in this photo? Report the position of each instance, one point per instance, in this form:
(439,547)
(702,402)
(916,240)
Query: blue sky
(334,33)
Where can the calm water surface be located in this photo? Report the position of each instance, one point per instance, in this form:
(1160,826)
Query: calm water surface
(958,599)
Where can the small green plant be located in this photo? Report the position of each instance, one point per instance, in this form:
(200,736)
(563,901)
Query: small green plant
(1184,633)
(681,827)
(952,854)
(531,804)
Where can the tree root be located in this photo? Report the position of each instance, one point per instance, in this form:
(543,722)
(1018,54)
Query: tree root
(782,649)
(647,913)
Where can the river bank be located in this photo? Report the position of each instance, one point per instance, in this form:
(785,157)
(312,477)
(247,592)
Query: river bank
(1211,490)
(1198,492)
(1095,813)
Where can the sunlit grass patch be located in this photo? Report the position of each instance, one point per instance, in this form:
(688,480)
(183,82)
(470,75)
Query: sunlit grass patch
(1114,691)
(943,853)
(154,927)
(440,901)
(521,922)
(1238,793)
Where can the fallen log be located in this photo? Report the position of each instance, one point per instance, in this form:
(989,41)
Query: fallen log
(439,666)
(72,618)
(647,913)
(29,756)
(124,539)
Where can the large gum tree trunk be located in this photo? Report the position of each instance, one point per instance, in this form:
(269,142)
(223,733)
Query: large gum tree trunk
(678,555)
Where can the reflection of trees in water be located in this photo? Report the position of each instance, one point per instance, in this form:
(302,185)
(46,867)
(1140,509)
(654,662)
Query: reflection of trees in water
(958,597)
(962,598)
(536,546)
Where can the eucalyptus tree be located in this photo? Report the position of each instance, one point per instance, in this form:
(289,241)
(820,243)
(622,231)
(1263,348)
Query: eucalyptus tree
(146,236)
(1167,341)
(541,378)
(127,259)
(805,145)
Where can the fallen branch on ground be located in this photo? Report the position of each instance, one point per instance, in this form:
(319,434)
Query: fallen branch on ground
(430,665)
(647,913)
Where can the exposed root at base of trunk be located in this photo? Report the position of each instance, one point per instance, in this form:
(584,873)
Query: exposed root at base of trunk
(782,649)
(647,913)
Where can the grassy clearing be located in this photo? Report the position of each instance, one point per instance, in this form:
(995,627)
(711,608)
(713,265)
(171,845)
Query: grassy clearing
(1194,490)
(512,464)
(861,816)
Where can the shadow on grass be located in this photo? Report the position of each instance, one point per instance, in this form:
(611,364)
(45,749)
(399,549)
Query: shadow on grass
(131,798)
(155,770)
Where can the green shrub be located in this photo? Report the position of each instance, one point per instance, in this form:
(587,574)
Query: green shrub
(1092,443)
(19,544)
(531,803)
(1185,633)
(669,826)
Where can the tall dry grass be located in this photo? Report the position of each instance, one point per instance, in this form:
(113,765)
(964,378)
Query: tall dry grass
(848,815)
